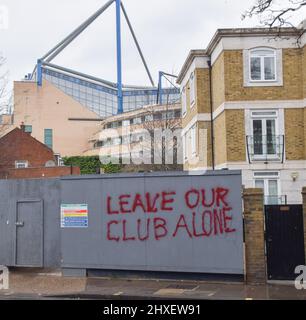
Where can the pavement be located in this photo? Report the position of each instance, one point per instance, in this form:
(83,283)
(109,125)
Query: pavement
(49,284)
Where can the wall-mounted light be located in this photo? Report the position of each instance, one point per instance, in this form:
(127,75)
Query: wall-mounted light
(294,176)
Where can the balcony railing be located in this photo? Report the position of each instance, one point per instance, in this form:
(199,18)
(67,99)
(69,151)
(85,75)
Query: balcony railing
(276,200)
(265,148)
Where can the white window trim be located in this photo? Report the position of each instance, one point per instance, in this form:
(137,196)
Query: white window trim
(193,138)
(185,151)
(274,116)
(267,178)
(126,123)
(192,85)
(21,162)
(184,101)
(263,83)
(249,120)
(262,64)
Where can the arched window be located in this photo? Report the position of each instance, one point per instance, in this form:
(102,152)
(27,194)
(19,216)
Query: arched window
(263,64)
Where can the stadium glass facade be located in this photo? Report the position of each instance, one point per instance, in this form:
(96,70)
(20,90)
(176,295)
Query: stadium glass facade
(102,99)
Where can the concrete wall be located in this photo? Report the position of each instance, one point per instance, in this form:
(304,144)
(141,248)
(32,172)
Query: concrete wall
(47,107)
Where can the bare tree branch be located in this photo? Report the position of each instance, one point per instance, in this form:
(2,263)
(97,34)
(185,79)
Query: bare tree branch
(166,123)
(5,97)
(273,13)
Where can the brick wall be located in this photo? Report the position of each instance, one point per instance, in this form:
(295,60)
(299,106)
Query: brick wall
(235,135)
(218,83)
(220,139)
(304,132)
(203,149)
(190,112)
(304,216)
(18,145)
(254,236)
(202,94)
(42,172)
(229,131)
(292,73)
(228,85)
(203,90)
(304,71)
(294,134)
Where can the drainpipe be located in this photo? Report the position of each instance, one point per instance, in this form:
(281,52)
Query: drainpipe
(211,118)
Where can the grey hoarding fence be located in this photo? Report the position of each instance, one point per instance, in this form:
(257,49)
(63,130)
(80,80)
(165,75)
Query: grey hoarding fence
(155,222)
(29,223)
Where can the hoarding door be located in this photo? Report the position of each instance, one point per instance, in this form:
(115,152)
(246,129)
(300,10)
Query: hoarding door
(29,233)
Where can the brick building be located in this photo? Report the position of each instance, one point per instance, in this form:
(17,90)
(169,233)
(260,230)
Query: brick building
(22,156)
(244,107)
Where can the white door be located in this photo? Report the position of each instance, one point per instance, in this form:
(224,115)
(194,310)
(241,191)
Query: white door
(264,135)
(271,190)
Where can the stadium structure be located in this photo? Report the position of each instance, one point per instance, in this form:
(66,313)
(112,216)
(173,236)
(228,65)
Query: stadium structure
(103,97)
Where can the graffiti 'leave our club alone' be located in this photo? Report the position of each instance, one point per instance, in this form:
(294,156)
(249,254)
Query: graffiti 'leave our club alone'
(206,214)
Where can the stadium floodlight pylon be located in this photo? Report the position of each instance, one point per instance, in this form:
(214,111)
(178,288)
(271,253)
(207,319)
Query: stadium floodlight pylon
(54,52)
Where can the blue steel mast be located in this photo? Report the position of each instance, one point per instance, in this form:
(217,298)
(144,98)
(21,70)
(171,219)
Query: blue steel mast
(48,57)
(119,56)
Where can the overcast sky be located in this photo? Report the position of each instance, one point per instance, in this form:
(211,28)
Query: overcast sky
(166,29)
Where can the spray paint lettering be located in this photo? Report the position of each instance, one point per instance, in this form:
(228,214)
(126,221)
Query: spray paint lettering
(137,217)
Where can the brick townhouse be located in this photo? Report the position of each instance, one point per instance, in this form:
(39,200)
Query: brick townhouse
(247,90)
(22,157)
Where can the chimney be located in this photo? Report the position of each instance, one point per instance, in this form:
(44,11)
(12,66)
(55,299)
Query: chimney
(22,126)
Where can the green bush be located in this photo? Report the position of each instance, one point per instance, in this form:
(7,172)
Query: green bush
(91,165)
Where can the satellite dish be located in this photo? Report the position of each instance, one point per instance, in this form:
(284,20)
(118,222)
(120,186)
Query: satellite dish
(50,163)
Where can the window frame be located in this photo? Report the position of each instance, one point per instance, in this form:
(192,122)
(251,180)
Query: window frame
(193,139)
(184,101)
(28,128)
(192,85)
(185,151)
(126,123)
(266,177)
(20,162)
(262,57)
(45,136)
(263,116)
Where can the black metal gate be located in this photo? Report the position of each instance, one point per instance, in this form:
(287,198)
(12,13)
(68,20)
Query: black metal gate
(284,240)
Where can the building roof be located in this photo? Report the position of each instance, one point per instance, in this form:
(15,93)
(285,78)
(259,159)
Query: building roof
(144,110)
(251,32)
(19,132)
(238,32)
(192,54)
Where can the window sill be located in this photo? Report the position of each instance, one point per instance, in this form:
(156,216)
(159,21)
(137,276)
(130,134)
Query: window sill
(266,159)
(264,83)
